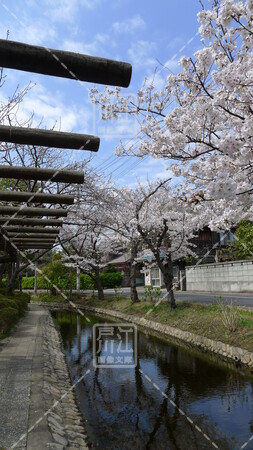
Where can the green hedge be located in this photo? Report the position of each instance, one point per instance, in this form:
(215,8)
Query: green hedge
(86,282)
(108,280)
(11,309)
(111,280)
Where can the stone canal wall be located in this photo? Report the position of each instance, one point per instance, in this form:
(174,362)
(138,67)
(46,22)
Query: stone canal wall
(63,417)
(225,351)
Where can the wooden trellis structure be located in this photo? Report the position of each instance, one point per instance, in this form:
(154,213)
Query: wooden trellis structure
(19,230)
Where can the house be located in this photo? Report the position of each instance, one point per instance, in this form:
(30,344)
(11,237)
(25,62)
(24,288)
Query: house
(122,264)
(209,247)
(212,246)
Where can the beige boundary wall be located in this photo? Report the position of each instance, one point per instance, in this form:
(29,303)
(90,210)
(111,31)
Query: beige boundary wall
(234,276)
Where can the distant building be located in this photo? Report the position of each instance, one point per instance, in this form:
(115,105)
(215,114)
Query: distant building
(122,264)
(209,247)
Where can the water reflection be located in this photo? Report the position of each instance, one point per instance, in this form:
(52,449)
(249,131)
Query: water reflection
(122,410)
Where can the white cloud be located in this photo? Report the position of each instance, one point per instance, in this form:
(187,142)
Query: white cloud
(66,10)
(171,65)
(129,25)
(140,54)
(158,79)
(94,48)
(146,170)
(51,110)
(36,34)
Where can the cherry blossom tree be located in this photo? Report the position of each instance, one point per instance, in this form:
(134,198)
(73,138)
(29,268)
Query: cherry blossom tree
(123,207)
(202,117)
(87,238)
(165,226)
(154,217)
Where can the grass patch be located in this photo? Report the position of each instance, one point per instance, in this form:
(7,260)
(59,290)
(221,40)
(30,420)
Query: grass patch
(201,319)
(48,298)
(204,320)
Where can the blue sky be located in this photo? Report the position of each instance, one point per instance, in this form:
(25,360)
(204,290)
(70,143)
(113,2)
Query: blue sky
(142,33)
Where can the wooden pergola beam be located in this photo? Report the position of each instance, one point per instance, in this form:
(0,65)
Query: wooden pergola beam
(32,173)
(34,237)
(4,210)
(20,231)
(31,58)
(23,221)
(48,138)
(19,243)
(23,236)
(34,245)
(5,245)
(34,197)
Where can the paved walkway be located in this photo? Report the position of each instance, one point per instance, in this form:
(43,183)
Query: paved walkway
(21,364)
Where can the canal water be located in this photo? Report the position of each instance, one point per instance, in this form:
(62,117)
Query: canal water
(123,410)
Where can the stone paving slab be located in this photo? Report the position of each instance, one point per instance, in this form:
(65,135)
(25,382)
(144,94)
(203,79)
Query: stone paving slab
(17,359)
(33,376)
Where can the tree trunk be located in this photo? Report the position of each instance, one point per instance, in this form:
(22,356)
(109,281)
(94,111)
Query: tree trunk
(2,269)
(9,280)
(99,284)
(20,283)
(70,285)
(78,279)
(134,293)
(167,271)
(35,280)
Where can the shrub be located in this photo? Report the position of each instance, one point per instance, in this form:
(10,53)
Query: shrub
(42,283)
(8,317)
(151,293)
(118,293)
(11,309)
(111,280)
(229,314)
(86,282)
(21,299)
(5,302)
(27,282)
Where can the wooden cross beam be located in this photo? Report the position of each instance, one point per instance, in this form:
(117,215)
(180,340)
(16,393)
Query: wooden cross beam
(34,197)
(31,58)
(6,246)
(32,173)
(35,247)
(19,242)
(48,138)
(4,210)
(20,236)
(30,230)
(22,221)
(34,244)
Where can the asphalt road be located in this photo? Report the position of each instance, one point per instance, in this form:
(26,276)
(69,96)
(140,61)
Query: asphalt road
(209,297)
(242,299)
